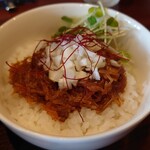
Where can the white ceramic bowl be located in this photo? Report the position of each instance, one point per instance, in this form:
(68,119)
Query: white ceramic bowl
(41,23)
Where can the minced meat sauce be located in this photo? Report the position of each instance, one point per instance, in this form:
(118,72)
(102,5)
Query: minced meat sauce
(34,85)
(31,81)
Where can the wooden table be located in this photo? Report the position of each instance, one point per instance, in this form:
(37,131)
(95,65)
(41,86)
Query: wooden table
(139,138)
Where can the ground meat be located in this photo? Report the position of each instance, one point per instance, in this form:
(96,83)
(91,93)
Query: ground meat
(31,81)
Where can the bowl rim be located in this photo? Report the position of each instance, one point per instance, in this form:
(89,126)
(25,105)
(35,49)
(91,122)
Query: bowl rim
(131,123)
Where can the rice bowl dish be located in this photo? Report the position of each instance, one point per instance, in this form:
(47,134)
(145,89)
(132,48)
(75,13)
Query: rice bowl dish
(36,119)
(32,117)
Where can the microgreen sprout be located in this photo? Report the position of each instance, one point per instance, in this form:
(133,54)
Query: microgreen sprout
(100,22)
(61,30)
(67,19)
(112,22)
(92,20)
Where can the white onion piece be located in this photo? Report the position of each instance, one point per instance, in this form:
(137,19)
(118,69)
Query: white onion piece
(114,63)
(71,62)
(68,54)
(77,65)
(81,74)
(91,54)
(99,61)
(84,62)
(56,75)
(57,60)
(96,74)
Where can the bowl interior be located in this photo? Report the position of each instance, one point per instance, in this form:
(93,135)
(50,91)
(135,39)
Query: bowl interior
(41,23)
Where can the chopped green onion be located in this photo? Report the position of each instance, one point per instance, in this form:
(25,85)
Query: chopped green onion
(67,19)
(112,22)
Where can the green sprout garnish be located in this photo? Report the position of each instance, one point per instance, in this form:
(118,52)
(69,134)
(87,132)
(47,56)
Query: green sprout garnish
(91,10)
(125,54)
(61,30)
(112,22)
(92,20)
(96,11)
(98,20)
(67,19)
(99,12)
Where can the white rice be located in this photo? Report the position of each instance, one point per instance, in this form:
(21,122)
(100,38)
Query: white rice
(36,119)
